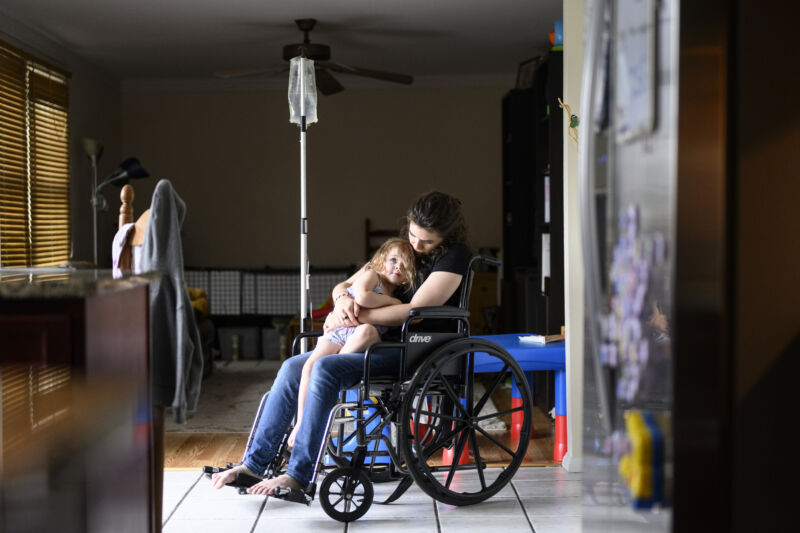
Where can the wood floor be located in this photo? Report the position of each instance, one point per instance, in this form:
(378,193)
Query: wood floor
(189,451)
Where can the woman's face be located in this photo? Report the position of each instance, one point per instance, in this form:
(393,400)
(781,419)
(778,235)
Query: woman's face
(424,241)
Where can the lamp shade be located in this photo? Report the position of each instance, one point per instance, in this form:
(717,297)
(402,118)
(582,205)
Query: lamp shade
(128,169)
(92,147)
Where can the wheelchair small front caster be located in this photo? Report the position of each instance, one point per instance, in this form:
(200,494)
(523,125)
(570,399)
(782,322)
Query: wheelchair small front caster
(346,494)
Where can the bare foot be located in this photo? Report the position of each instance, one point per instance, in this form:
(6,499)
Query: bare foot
(220,479)
(292,436)
(268,486)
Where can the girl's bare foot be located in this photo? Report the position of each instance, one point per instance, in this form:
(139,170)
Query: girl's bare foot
(292,436)
(268,486)
(220,479)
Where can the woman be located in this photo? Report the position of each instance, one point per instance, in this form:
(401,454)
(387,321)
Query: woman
(436,229)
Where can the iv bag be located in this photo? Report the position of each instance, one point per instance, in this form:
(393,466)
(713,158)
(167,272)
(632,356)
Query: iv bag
(300,65)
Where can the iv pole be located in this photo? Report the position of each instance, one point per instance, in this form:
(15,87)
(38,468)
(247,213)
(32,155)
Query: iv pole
(304,282)
(303,113)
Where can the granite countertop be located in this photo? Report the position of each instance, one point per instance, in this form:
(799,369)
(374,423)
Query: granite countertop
(58,282)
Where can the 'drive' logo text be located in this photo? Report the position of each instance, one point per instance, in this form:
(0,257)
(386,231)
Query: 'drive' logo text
(419,338)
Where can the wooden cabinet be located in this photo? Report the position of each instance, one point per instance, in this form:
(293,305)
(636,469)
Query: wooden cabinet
(79,329)
(533,216)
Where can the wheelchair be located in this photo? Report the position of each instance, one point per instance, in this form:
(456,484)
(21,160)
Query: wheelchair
(430,424)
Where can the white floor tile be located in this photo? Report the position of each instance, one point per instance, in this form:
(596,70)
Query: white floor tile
(402,510)
(206,503)
(546,506)
(176,485)
(413,495)
(267,524)
(492,507)
(281,509)
(556,488)
(557,524)
(486,523)
(529,473)
(407,524)
(505,492)
(208,526)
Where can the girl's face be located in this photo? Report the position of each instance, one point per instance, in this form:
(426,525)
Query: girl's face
(394,267)
(424,241)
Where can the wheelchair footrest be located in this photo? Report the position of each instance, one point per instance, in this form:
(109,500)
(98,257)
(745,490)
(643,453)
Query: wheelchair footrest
(242,482)
(293,495)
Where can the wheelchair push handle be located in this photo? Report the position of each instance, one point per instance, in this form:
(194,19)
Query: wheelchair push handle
(488,260)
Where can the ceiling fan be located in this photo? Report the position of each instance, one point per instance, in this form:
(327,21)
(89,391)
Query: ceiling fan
(321,55)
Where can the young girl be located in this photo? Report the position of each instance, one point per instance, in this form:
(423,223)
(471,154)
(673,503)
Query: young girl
(392,267)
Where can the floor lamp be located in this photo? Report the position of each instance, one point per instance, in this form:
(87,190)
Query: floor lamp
(128,169)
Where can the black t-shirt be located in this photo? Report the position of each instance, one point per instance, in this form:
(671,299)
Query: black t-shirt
(454,258)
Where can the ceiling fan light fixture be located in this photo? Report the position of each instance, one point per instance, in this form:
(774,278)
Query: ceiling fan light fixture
(320,54)
(313,51)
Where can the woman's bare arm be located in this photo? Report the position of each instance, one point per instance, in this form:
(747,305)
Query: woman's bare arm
(436,290)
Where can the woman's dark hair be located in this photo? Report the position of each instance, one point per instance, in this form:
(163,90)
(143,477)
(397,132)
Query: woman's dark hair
(439,212)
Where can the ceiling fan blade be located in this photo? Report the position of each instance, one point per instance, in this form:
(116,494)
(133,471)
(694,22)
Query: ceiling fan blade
(241,72)
(326,83)
(368,73)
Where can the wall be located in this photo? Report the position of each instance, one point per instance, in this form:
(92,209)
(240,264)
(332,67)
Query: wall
(573,257)
(234,158)
(94,112)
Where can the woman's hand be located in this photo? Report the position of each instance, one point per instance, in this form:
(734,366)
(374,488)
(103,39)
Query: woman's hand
(345,313)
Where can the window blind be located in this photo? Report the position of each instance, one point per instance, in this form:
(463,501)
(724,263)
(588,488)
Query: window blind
(34,161)
(29,401)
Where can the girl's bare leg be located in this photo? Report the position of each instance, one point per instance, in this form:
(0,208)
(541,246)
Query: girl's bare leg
(322,349)
(362,337)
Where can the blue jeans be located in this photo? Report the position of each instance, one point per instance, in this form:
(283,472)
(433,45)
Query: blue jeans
(330,374)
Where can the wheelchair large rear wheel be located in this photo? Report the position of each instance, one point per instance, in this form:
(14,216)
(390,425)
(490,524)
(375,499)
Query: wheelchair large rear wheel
(447,410)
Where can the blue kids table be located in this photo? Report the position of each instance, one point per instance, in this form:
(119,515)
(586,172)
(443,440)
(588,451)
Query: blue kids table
(532,357)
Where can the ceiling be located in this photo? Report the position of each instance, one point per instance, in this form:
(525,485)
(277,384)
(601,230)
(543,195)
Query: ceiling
(437,41)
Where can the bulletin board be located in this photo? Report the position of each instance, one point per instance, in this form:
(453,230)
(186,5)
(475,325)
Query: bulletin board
(635,73)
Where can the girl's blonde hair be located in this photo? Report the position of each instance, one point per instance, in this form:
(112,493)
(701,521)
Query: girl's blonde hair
(406,253)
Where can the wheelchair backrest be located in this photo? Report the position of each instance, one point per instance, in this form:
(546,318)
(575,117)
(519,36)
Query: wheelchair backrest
(421,339)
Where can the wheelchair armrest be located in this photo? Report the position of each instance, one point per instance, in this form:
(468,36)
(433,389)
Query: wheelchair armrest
(439,311)
(304,335)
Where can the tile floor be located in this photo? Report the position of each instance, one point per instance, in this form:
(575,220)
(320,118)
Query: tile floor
(540,499)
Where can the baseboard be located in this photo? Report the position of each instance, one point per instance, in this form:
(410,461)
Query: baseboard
(572,464)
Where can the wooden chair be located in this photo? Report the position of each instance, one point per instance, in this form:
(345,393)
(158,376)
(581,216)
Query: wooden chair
(373,238)
(136,237)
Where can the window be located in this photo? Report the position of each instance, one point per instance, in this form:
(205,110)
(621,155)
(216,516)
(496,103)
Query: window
(32,398)
(34,161)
